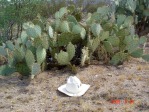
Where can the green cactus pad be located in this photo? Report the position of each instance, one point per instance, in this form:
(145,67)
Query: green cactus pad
(62,58)
(30,59)
(123,33)
(83,33)
(57,25)
(11,61)
(95,16)
(104,35)
(38,30)
(118,58)
(31,32)
(28,43)
(64,39)
(2,51)
(129,46)
(96,29)
(24,37)
(128,21)
(104,10)
(22,68)
(95,44)
(132,47)
(77,29)
(131,5)
(137,53)
(50,31)
(10,45)
(35,70)
(19,40)
(57,15)
(71,18)
(40,54)
(64,27)
(71,50)
(63,11)
(37,42)
(45,42)
(142,40)
(108,46)
(71,24)
(34,31)
(6,70)
(18,55)
(146,57)
(128,40)
(115,41)
(120,19)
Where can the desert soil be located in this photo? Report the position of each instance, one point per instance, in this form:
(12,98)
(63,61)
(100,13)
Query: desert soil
(127,85)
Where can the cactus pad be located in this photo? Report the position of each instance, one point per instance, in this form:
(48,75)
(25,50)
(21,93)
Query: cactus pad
(62,58)
(40,54)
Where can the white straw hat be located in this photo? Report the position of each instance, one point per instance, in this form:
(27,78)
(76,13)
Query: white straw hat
(74,87)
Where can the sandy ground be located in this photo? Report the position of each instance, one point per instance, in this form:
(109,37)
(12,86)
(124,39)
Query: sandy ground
(128,82)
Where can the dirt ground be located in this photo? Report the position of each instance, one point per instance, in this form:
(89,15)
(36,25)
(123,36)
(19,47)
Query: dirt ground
(128,82)
(113,89)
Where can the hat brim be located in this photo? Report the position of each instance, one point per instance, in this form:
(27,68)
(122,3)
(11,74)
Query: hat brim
(84,88)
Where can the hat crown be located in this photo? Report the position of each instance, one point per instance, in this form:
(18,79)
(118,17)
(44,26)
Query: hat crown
(73,79)
(73,84)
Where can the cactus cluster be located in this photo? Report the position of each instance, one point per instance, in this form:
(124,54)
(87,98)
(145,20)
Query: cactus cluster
(26,54)
(65,40)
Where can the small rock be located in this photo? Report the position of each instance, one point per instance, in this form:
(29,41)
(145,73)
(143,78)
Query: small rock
(109,74)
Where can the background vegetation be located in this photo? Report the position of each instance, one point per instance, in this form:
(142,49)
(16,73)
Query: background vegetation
(40,33)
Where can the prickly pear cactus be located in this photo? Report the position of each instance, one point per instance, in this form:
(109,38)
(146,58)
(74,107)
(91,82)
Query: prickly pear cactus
(119,58)
(59,14)
(102,33)
(85,56)
(64,27)
(18,55)
(93,44)
(71,50)
(71,18)
(108,46)
(62,58)
(96,29)
(2,51)
(146,57)
(6,70)
(34,31)
(50,31)
(10,45)
(137,53)
(30,59)
(45,42)
(64,39)
(40,54)
(56,25)
(115,41)
(36,69)
(24,37)
(77,29)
